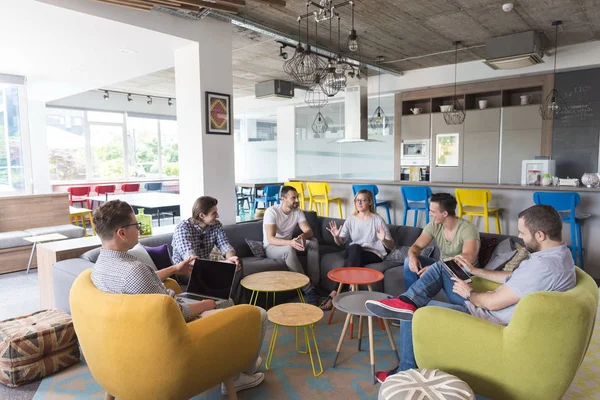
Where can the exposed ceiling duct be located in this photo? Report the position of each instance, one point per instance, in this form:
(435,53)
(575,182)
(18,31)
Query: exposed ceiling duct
(518,50)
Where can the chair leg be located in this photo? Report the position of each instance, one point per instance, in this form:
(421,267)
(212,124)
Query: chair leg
(426,216)
(486,223)
(387,211)
(405,216)
(416,219)
(579,245)
(498,230)
(340,209)
(326,205)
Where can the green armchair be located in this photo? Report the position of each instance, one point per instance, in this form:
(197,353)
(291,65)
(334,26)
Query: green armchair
(535,357)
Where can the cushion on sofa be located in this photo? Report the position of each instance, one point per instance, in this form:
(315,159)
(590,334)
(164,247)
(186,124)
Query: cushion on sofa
(399,253)
(70,231)
(256,247)
(521,255)
(404,235)
(238,233)
(13,239)
(503,252)
(160,255)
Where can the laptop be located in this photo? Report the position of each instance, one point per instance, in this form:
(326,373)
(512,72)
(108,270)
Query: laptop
(211,280)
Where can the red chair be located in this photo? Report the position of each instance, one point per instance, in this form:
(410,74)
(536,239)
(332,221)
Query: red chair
(103,189)
(130,187)
(75,194)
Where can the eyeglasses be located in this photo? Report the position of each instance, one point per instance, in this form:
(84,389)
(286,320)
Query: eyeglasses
(361,200)
(137,224)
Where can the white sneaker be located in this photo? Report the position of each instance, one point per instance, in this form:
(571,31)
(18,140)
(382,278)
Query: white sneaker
(245,381)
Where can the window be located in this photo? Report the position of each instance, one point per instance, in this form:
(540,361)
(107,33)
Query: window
(12,175)
(96,145)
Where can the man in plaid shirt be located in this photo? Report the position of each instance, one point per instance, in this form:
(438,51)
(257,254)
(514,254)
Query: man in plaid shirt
(119,272)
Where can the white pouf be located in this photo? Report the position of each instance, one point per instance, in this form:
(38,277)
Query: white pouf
(425,384)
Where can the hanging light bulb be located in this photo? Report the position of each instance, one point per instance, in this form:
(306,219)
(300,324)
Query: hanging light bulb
(352,38)
(554,106)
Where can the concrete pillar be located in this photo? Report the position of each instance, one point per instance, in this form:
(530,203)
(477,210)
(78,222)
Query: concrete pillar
(286,143)
(206,162)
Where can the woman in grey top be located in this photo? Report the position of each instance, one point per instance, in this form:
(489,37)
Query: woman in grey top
(368,234)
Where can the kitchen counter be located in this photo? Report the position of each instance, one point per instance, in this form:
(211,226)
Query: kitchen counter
(454,185)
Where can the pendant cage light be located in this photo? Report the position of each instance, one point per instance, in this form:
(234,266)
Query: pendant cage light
(305,67)
(456,113)
(378,121)
(340,62)
(287,65)
(319,125)
(315,98)
(352,42)
(554,105)
(332,82)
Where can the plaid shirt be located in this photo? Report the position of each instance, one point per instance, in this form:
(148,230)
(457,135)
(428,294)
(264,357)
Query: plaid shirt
(121,273)
(191,240)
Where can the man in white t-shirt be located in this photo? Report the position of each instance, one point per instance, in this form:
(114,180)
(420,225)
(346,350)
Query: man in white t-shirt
(279,223)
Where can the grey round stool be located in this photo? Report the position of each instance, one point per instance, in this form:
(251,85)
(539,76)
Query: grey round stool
(424,384)
(353,303)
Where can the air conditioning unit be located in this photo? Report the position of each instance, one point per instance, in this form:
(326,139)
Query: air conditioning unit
(274,88)
(518,50)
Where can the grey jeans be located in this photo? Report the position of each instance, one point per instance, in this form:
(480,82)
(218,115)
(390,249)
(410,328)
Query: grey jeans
(288,253)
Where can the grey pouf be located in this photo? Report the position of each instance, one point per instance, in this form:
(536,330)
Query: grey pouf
(424,384)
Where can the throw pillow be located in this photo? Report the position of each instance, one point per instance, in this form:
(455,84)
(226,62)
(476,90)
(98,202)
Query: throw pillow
(141,254)
(256,248)
(503,252)
(486,248)
(399,253)
(160,255)
(521,255)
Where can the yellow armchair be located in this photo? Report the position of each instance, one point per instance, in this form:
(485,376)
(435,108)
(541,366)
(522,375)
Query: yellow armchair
(535,357)
(140,347)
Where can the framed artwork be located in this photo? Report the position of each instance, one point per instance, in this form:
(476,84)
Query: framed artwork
(447,150)
(218,113)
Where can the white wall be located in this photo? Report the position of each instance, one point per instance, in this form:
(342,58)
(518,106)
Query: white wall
(93,100)
(39,148)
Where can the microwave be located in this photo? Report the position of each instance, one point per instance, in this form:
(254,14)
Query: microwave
(415,152)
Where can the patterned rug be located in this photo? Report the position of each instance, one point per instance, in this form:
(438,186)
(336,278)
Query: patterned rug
(290,375)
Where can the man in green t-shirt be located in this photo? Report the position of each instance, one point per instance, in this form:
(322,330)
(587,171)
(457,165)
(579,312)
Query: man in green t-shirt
(453,236)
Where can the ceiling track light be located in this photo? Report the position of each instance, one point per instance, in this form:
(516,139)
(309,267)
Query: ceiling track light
(129,98)
(149,102)
(106,95)
(170,102)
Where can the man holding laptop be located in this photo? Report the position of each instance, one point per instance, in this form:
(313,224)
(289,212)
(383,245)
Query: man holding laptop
(117,271)
(549,268)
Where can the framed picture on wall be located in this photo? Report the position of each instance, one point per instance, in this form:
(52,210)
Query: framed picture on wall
(218,113)
(447,150)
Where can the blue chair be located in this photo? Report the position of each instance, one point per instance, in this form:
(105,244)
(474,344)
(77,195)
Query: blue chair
(270,196)
(416,198)
(153,186)
(374,190)
(565,203)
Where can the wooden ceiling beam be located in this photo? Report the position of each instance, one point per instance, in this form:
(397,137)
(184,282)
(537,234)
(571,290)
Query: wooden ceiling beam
(167,3)
(137,5)
(281,3)
(241,3)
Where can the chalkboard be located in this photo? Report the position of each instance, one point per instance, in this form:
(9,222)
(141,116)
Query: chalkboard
(575,139)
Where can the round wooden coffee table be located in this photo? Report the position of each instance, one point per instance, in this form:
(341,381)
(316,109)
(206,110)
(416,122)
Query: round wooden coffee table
(273,282)
(296,315)
(354,276)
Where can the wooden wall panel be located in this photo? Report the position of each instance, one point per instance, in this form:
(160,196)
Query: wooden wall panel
(18,213)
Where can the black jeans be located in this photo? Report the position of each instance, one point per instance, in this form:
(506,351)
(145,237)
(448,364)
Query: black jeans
(356,256)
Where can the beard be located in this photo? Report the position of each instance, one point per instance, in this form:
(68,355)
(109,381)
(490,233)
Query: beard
(532,246)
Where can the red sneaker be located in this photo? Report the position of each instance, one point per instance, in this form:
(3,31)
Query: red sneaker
(393,308)
(381,376)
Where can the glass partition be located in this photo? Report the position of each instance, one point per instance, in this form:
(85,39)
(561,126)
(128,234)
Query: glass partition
(12,175)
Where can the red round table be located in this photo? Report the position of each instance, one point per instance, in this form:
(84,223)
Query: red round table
(354,276)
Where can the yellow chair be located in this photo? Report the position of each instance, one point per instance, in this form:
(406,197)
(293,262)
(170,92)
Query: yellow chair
(140,347)
(299,186)
(475,203)
(318,193)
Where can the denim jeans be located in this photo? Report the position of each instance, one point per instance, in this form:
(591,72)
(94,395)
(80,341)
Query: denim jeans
(411,277)
(407,352)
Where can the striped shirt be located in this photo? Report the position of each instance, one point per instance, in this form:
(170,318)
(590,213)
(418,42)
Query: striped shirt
(121,273)
(191,240)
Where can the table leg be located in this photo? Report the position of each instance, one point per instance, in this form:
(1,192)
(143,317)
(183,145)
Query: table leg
(333,308)
(339,345)
(158,209)
(312,363)
(300,295)
(371,349)
(253,298)
(83,225)
(391,338)
(272,346)
(378,319)
(353,288)
(31,256)
(92,223)
(360,326)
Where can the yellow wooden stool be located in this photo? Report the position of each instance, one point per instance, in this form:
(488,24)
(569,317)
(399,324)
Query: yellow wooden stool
(318,193)
(296,315)
(475,203)
(299,186)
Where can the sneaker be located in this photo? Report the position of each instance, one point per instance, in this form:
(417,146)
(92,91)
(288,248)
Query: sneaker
(381,376)
(392,308)
(310,296)
(245,381)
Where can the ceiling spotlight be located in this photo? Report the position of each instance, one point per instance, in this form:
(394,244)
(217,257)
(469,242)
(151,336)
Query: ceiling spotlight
(170,102)
(129,98)
(508,7)
(106,95)
(149,102)
(282,53)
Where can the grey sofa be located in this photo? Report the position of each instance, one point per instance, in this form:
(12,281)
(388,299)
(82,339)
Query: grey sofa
(332,256)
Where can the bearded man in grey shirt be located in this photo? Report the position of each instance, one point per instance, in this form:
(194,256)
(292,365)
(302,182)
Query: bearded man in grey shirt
(119,272)
(549,268)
